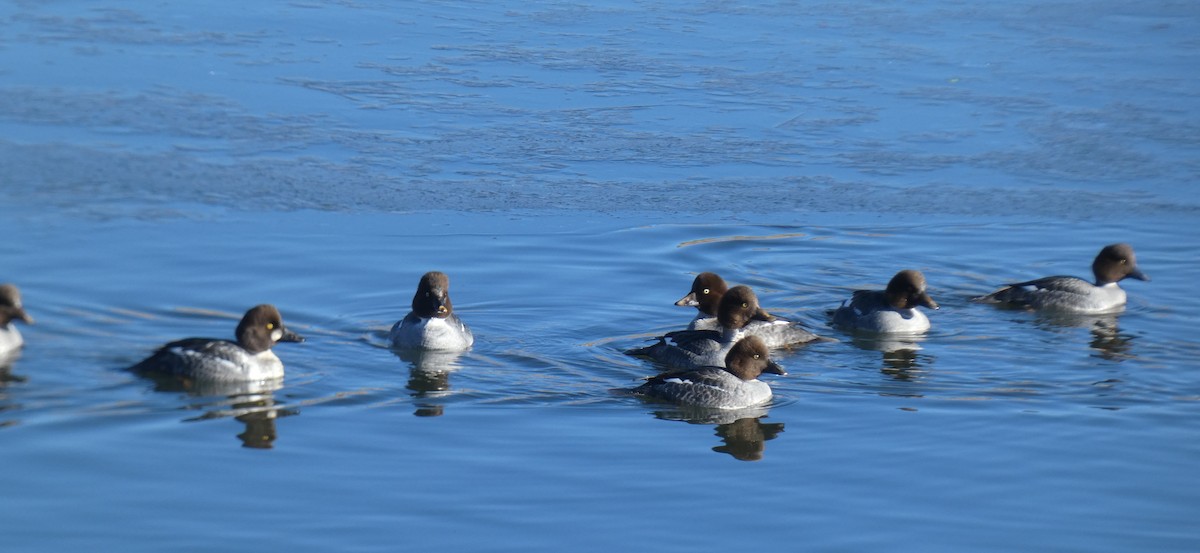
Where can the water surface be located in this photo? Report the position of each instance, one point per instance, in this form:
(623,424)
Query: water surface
(572,166)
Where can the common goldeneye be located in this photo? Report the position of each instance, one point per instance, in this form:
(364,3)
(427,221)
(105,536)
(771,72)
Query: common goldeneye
(733,386)
(432,324)
(707,289)
(249,358)
(738,315)
(1075,295)
(10,310)
(705,296)
(889,311)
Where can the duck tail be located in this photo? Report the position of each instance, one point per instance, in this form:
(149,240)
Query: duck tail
(648,351)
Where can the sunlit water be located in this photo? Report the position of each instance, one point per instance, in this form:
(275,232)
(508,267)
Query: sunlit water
(572,167)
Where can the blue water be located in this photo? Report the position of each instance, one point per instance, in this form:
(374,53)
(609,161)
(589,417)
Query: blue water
(572,166)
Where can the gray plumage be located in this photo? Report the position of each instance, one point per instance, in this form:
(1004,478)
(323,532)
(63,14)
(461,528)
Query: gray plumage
(733,386)
(1113,264)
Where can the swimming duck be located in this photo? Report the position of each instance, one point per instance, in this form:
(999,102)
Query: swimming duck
(738,315)
(11,310)
(249,358)
(733,386)
(889,311)
(432,324)
(1113,264)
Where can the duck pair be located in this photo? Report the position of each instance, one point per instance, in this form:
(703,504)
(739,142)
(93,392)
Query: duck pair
(431,325)
(702,356)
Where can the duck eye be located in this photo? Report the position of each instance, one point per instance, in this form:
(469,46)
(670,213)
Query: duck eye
(270,326)
(756,356)
(705,291)
(745,305)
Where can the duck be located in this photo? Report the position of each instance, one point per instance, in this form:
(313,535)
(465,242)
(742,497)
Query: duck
(1068,294)
(734,385)
(738,315)
(11,310)
(890,311)
(705,296)
(209,359)
(432,323)
(706,293)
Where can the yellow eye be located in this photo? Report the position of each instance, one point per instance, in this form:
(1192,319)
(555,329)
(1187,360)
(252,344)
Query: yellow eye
(706,291)
(441,309)
(745,305)
(270,326)
(756,356)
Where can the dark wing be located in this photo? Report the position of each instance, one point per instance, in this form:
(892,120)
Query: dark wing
(687,348)
(1058,283)
(684,338)
(865,301)
(710,376)
(185,356)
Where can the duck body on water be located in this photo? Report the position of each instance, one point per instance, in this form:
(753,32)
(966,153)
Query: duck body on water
(734,385)
(11,310)
(248,359)
(890,311)
(1068,294)
(432,324)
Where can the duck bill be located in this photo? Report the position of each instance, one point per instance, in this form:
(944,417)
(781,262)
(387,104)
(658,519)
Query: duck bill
(761,315)
(688,301)
(927,301)
(289,336)
(775,368)
(1138,274)
(21,314)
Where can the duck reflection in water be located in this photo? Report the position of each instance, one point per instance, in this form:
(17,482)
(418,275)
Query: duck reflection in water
(1107,339)
(742,431)
(746,439)
(7,403)
(429,378)
(252,403)
(901,359)
(7,360)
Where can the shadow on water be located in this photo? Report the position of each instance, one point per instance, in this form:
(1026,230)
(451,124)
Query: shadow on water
(743,433)
(429,378)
